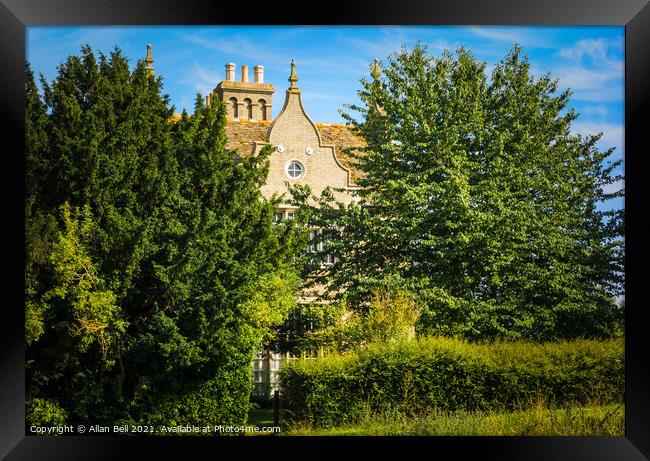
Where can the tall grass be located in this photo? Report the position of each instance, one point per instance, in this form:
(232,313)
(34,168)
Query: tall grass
(537,420)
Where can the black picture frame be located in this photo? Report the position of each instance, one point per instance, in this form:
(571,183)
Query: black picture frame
(15,15)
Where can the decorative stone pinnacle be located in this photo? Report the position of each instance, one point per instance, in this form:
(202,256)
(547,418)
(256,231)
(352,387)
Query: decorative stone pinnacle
(149,61)
(293,78)
(375,71)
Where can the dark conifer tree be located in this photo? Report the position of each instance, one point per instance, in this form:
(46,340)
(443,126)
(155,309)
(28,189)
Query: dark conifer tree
(153,267)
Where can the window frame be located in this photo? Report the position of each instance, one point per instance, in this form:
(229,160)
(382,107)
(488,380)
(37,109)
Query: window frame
(290,163)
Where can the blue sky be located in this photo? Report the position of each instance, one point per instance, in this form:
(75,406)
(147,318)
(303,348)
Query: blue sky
(330,60)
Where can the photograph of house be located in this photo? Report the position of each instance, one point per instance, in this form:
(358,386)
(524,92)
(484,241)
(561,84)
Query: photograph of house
(325,230)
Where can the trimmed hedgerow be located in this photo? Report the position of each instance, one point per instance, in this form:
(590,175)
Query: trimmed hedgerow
(451,375)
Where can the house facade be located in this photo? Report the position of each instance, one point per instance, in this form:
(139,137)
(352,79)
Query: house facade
(305,152)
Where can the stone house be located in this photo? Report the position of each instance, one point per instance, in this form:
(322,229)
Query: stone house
(305,152)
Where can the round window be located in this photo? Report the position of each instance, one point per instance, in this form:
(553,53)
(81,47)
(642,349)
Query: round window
(295,169)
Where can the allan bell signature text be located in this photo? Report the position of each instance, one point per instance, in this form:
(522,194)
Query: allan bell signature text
(123,429)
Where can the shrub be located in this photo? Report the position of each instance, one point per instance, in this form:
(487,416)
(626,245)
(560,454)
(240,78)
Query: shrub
(452,375)
(389,316)
(42,412)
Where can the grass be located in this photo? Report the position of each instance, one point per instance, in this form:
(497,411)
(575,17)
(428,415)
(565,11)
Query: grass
(260,417)
(538,420)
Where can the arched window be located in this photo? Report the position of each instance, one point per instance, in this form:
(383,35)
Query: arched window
(234,108)
(248,104)
(262,105)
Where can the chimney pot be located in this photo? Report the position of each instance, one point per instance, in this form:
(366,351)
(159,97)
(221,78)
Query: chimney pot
(259,74)
(230,72)
(244,73)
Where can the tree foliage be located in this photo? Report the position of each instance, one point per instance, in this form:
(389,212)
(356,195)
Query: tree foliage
(152,261)
(475,193)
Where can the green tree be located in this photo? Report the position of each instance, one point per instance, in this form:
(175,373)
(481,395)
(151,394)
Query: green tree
(152,261)
(39,223)
(478,197)
(227,278)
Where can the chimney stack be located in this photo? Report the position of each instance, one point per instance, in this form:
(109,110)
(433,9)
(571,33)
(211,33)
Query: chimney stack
(259,74)
(230,72)
(245,99)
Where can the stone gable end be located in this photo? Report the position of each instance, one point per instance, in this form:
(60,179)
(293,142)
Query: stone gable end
(296,138)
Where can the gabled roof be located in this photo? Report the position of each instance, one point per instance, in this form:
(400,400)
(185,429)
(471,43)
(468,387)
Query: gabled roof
(343,138)
(242,134)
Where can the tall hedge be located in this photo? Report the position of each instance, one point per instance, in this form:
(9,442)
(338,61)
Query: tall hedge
(451,375)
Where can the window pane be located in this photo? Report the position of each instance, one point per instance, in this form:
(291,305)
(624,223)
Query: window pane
(295,170)
(312,242)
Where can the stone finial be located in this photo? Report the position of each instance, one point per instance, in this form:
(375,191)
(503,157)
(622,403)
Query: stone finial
(293,78)
(149,61)
(244,73)
(375,70)
(375,73)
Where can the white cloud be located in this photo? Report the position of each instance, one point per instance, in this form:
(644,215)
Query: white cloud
(580,78)
(596,50)
(613,133)
(506,34)
(203,80)
(592,84)
(614,187)
(591,72)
